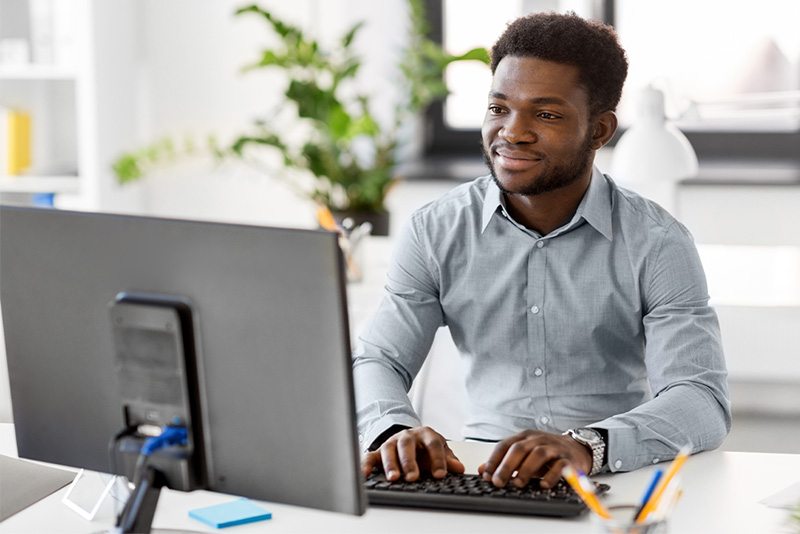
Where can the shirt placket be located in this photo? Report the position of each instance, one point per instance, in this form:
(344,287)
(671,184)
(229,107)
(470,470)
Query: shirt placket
(537,309)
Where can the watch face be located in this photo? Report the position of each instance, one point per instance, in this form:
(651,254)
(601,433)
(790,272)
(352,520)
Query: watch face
(587,434)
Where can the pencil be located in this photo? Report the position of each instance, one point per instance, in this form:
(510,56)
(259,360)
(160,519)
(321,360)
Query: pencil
(676,465)
(585,491)
(657,474)
(326,220)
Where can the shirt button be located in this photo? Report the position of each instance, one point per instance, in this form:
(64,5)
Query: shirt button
(534,309)
(655,460)
(544,419)
(538,371)
(540,244)
(618,464)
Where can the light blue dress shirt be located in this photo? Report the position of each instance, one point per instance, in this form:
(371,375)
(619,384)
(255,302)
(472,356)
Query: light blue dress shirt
(603,322)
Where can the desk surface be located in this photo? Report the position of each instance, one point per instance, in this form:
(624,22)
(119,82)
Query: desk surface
(722,491)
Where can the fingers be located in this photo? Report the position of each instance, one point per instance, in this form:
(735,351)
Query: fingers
(514,458)
(537,463)
(437,454)
(488,468)
(454,465)
(553,475)
(407,453)
(391,465)
(369,462)
(410,452)
(527,455)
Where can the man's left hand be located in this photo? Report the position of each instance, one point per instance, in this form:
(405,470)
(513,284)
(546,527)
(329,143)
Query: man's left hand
(533,453)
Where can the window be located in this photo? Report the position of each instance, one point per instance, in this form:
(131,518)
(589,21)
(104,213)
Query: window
(730,69)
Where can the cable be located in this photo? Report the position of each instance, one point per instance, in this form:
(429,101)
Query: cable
(170,436)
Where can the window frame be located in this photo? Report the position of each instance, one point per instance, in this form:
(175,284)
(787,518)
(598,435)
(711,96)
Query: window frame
(441,140)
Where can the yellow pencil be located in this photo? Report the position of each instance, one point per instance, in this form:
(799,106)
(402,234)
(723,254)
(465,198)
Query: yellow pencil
(585,492)
(326,220)
(676,465)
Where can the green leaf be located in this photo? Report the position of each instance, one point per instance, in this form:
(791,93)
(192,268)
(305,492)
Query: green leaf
(127,169)
(348,70)
(348,38)
(476,54)
(363,125)
(270,58)
(244,141)
(338,122)
(285,30)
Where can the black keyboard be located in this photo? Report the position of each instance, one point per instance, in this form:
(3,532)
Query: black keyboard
(472,493)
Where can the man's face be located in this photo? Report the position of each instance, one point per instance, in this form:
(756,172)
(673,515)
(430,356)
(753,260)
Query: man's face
(536,134)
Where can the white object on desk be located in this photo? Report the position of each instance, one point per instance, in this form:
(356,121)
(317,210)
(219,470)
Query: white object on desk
(787,498)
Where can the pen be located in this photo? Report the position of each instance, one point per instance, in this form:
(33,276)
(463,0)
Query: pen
(649,491)
(585,490)
(676,465)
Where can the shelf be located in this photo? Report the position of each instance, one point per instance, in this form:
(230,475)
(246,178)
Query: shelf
(39,184)
(36,72)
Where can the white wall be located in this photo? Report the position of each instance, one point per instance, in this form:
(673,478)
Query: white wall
(191,85)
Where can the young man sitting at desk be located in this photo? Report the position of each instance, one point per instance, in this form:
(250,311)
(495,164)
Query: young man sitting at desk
(579,309)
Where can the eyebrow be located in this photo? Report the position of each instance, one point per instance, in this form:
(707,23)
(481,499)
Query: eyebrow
(537,100)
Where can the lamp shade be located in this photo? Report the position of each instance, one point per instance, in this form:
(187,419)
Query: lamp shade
(652,150)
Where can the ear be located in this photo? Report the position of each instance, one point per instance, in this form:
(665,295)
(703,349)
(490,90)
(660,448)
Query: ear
(603,127)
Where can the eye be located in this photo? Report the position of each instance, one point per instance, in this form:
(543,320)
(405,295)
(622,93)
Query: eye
(548,116)
(495,109)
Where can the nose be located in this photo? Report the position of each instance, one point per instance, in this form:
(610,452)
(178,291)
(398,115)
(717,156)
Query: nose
(517,130)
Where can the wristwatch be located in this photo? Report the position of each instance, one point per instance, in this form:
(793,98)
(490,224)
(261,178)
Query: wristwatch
(592,439)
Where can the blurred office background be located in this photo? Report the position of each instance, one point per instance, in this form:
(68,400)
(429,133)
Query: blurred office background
(98,78)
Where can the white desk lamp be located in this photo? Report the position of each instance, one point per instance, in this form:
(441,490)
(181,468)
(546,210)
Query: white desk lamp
(653,155)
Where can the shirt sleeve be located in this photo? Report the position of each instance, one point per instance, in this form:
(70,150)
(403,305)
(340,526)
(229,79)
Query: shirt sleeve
(685,364)
(392,348)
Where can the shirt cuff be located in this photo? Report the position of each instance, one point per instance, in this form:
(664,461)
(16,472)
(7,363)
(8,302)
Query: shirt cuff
(367,438)
(622,447)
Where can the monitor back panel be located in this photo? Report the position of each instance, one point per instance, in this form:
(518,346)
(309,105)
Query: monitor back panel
(273,345)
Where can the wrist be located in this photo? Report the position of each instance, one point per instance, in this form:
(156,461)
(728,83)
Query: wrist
(386,434)
(593,443)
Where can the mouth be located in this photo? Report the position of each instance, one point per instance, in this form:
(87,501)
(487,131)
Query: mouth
(515,161)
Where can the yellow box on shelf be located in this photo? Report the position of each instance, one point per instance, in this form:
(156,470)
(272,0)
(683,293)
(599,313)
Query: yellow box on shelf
(18,141)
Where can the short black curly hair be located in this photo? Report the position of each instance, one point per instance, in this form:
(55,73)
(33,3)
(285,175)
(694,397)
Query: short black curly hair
(567,38)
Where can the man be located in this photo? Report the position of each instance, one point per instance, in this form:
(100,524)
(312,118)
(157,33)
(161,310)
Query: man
(580,309)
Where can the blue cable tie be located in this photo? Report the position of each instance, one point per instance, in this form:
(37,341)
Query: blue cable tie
(171,435)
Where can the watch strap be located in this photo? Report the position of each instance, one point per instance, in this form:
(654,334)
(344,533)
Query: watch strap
(597,445)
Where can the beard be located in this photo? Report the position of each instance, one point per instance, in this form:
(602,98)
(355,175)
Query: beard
(554,178)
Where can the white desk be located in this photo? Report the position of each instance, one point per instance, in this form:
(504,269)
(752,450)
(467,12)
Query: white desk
(721,494)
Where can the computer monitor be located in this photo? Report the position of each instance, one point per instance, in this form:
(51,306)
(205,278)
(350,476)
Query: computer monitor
(272,336)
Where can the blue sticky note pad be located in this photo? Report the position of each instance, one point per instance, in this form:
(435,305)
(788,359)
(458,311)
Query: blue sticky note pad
(229,514)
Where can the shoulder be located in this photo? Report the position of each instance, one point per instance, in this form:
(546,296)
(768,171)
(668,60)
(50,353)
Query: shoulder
(640,216)
(461,205)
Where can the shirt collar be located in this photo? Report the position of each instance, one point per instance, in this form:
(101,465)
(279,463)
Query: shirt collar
(595,207)
(491,201)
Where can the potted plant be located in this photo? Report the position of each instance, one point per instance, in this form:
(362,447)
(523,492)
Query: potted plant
(350,155)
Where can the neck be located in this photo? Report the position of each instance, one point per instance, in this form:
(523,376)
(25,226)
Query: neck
(548,211)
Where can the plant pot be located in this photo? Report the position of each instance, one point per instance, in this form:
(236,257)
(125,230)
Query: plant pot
(378,219)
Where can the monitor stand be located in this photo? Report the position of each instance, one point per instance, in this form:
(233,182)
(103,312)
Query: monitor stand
(137,516)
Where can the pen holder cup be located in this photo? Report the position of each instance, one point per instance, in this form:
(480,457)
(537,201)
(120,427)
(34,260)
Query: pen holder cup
(622,522)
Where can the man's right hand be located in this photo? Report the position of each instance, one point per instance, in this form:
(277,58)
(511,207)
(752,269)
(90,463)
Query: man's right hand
(412,451)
